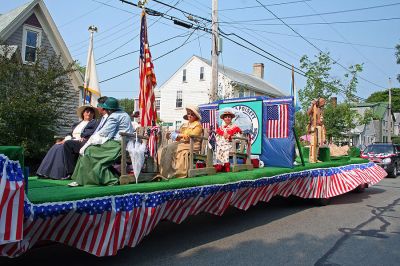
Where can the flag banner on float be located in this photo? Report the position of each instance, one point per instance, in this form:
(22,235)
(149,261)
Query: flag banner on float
(147,79)
(102,226)
(91,84)
(277,121)
(12,194)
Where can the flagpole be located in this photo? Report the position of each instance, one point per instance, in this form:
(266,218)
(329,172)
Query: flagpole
(293,89)
(91,84)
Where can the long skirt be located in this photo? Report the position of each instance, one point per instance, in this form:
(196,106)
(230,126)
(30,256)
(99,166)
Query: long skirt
(173,159)
(52,165)
(222,151)
(95,167)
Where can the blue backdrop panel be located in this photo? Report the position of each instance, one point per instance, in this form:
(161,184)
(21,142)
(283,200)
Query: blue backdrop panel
(278,138)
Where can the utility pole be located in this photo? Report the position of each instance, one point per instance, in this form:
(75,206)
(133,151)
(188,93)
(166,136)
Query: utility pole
(390,112)
(214,53)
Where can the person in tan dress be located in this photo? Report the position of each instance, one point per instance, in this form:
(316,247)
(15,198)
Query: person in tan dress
(316,127)
(173,159)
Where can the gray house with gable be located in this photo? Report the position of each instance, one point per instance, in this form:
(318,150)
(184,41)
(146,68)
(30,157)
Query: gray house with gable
(30,27)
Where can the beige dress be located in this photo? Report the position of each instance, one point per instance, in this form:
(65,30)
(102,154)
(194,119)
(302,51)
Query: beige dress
(173,159)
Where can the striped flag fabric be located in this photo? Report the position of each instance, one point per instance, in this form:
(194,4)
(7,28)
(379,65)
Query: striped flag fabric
(277,121)
(12,195)
(209,118)
(102,226)
(147,79)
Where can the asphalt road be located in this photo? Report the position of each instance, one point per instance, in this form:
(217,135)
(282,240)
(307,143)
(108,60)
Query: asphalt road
(355,229)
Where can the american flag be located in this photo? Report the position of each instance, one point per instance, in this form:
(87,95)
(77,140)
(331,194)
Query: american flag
(277,121)
(147,79)
(209,118)
(12,194)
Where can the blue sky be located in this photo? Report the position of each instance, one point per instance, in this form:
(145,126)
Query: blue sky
(372,43)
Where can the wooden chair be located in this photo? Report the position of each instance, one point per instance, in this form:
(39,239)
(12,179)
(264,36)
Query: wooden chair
(205,154)
(241,149)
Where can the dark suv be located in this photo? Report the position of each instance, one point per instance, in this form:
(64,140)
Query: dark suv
(386,155)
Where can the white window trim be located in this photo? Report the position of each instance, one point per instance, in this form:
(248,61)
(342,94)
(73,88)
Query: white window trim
(202,79)
(184,75)
(25,29)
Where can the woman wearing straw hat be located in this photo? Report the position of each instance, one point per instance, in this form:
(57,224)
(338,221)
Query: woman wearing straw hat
(174,158)
(223,137)
(53,165)
(103,149)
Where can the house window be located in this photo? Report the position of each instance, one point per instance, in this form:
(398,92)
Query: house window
(240,92)
(158,104)
(30,43)
(184,75)
(179,99)
(178,125)
(201,73)
(252,93)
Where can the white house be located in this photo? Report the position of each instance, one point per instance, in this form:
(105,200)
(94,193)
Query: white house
(30,27)
(191,83)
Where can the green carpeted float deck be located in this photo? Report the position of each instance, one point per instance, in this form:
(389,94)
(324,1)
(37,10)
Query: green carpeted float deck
(45,190)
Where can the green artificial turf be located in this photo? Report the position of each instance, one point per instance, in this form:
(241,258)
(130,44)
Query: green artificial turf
(45,190)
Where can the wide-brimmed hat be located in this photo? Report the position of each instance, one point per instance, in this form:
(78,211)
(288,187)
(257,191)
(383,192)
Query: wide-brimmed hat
(225,112)
(195,109)
(81,109)
(110,104)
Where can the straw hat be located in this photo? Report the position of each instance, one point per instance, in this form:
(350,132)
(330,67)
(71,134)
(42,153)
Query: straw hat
(227,112)
(81,109)
(194,109)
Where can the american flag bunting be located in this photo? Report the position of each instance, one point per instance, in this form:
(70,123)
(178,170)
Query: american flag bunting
(147,79)
(277,121)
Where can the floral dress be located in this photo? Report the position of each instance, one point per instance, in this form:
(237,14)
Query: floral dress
(224,145)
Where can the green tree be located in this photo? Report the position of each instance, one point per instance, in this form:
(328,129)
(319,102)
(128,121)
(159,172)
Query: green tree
(338,118)
(319,81)
(31,98)
(301,123)
(383,96)
(127,104)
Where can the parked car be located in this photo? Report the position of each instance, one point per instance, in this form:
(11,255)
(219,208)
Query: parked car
(386,155)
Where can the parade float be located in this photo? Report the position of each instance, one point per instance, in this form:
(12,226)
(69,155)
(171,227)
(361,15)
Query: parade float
(104,219)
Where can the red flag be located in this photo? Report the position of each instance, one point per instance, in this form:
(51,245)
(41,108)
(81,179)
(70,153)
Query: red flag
(148,112)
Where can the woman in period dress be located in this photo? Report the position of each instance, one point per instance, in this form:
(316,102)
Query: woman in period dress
(173,159)
(224,136)
(53,165)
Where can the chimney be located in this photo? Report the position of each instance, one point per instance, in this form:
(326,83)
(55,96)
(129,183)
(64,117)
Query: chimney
(258,70)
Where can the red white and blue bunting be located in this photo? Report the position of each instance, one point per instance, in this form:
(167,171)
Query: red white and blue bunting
(102,226)
(12,196)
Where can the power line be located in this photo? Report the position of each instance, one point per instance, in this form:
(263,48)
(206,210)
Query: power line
(161,56)
(251,7)
(80,16)
(320,23)
(122,45)
(354,48)
(86,40)
(345,68)
(123,55)
(320,14)
(326,40)
(187,14)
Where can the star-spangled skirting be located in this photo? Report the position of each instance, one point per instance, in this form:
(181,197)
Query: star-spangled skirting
(102,226)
